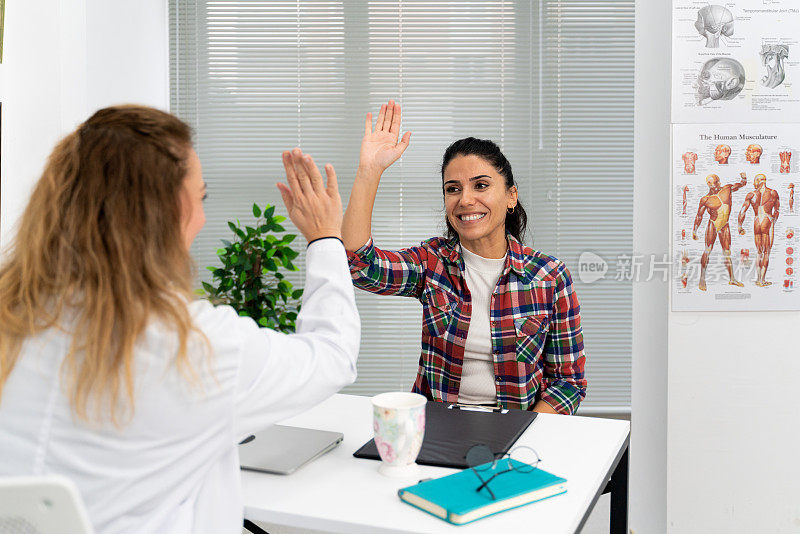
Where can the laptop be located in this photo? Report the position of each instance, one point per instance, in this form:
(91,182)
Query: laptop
(284,449)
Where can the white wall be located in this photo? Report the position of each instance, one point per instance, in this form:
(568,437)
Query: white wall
(733,423)
(127,53)
(62,60)
(648,453)
(42,83)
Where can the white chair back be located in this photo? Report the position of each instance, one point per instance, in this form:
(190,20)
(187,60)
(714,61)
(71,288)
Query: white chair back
(41,505)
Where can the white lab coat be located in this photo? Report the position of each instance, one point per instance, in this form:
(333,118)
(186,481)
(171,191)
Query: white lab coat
(174,467)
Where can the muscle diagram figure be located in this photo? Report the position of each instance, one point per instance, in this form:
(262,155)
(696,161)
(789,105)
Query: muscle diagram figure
(684,263)
(791,198)
(688,162)
(721,154)
(717,203)
(772,57)
(713,21)
(753,153)
(685,190)
(785,158)
(721,78)
(766,206)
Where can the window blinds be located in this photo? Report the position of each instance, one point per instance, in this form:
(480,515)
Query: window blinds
(551,82)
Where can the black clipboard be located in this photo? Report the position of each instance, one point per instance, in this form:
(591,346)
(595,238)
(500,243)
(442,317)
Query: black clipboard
(449,433)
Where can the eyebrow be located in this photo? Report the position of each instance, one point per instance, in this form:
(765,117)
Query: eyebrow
(471,179)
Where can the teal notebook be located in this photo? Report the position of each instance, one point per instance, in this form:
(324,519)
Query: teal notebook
(454,499)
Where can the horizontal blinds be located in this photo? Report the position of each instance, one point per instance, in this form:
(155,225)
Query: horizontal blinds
(583,53)
(258,77)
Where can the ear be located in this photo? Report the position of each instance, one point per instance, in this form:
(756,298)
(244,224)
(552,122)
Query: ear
(513,194)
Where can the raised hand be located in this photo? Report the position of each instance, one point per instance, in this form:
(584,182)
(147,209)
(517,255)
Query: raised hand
(379,147)
(315,209)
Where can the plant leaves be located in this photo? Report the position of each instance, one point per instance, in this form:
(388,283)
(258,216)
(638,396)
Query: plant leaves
(256,211)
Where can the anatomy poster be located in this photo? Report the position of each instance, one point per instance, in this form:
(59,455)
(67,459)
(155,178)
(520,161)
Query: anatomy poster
(736,61)
(735,221)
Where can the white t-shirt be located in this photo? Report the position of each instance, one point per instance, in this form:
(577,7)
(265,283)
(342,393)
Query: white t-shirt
(174,467)
(477,374)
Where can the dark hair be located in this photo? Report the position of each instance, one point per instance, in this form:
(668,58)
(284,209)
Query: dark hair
(516,222)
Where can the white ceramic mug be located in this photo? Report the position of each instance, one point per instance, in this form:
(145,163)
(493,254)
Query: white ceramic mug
(399,425)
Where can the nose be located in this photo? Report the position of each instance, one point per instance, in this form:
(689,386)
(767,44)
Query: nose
(467,198)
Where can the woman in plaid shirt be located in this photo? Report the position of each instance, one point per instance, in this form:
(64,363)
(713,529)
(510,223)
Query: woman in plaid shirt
(501,321)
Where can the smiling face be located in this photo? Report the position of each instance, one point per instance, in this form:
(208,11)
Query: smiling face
(476,201)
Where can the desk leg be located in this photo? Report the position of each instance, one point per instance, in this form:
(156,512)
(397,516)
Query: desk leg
(252,527)
(619,496)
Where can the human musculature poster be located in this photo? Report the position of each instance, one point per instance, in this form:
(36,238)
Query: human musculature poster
(734,219)
(736,61)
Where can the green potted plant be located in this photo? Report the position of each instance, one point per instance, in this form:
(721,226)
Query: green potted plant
(250,279)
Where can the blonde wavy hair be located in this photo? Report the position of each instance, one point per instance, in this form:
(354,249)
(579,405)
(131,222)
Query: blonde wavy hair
(99,253)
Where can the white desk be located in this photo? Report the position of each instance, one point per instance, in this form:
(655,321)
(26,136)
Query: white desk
(340,493)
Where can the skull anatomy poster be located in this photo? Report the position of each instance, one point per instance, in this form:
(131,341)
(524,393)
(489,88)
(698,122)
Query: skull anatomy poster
(736,61)
(735,224)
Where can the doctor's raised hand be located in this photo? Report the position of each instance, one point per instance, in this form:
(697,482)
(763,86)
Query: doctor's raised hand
(316,209)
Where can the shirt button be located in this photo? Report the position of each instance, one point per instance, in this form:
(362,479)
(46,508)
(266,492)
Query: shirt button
(497,380)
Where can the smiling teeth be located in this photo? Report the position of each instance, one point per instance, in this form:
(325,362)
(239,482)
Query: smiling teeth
(472,217)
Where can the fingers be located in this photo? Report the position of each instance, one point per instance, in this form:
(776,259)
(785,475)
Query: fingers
(315,178)
(303,179)
(387,121)
(291,174)
(381,116)
(403,144)
(333,185)
(394,127)
(368,124)
(286,195)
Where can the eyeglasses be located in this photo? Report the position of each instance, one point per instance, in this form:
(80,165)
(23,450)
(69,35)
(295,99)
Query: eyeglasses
(480,458)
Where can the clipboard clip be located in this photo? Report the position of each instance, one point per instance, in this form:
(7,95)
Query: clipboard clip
(477,408)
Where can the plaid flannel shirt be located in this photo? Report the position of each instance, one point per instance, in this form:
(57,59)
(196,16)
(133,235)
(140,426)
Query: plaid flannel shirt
(535,320)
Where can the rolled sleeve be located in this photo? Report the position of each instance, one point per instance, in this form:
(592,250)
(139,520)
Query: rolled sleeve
(361,258)
(564,383)
(387,272)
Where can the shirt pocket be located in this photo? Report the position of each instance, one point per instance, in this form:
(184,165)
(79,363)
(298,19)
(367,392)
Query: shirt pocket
(438,307)
(531,333)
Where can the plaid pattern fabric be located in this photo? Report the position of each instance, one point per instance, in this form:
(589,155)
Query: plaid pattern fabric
(535,320)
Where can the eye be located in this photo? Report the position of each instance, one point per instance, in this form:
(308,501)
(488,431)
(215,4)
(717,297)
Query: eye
(480,186)
(451,189)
